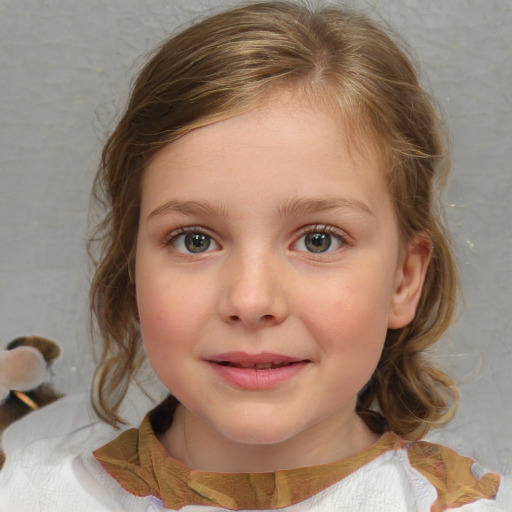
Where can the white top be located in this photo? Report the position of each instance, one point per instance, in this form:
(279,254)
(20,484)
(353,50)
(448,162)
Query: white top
(50,468)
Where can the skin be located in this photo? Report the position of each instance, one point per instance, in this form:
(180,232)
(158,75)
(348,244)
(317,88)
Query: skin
(253,187)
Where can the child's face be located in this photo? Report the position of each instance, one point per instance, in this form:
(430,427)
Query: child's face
(265,240)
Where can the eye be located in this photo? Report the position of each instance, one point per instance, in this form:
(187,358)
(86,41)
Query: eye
(319,240)
(192,241)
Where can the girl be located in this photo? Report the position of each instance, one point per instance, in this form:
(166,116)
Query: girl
(273,244)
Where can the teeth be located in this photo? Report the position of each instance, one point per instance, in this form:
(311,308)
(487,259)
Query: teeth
(257,366)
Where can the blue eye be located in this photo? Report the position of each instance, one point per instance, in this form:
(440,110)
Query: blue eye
(193,242)
(319,241)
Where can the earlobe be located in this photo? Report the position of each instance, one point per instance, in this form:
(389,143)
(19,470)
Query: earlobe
(410,277)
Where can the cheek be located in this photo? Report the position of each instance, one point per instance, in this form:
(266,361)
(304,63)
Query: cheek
(350,323)
(167,333)
(174,311)
(165,314)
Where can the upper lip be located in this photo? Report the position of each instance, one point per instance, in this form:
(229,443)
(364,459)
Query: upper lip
(246,359)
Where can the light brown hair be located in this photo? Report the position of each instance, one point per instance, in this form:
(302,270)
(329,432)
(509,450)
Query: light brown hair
(220,67)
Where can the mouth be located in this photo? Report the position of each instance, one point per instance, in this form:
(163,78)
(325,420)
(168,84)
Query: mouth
(256,366)
(256,371)
(261,361)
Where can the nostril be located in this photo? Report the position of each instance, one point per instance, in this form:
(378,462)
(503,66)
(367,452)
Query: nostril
(265,319)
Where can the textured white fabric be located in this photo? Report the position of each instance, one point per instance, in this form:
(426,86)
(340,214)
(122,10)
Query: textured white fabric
(50,468)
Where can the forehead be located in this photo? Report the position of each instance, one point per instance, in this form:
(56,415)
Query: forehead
(279,148)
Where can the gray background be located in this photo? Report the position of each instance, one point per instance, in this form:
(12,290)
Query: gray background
(65,67)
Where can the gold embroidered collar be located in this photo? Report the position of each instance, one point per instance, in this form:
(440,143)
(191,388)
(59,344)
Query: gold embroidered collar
(142,466)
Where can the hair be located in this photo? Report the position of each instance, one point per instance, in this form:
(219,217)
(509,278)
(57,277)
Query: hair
(222,66)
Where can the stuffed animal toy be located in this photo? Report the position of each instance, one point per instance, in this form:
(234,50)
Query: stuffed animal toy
(24,369)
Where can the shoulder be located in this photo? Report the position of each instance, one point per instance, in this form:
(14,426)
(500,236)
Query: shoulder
(419,477)
(42,452)
(53,433)
(458,480)
(50,465)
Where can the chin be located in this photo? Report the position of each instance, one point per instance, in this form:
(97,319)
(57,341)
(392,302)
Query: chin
(257,433)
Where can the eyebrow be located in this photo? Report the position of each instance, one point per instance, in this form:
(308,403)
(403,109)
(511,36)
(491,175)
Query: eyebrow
(189,208)
(294,206)
(301,206)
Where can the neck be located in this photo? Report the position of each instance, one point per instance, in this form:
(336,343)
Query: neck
(202,448)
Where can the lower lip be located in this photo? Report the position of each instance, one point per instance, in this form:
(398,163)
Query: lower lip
(250,378)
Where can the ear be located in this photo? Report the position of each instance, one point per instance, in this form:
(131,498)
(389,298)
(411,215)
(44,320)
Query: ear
(410,276)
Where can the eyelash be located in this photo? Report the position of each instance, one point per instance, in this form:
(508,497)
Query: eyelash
(173,237)
(325,229)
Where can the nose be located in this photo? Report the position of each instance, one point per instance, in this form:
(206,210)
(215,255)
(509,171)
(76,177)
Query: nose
(253,292)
